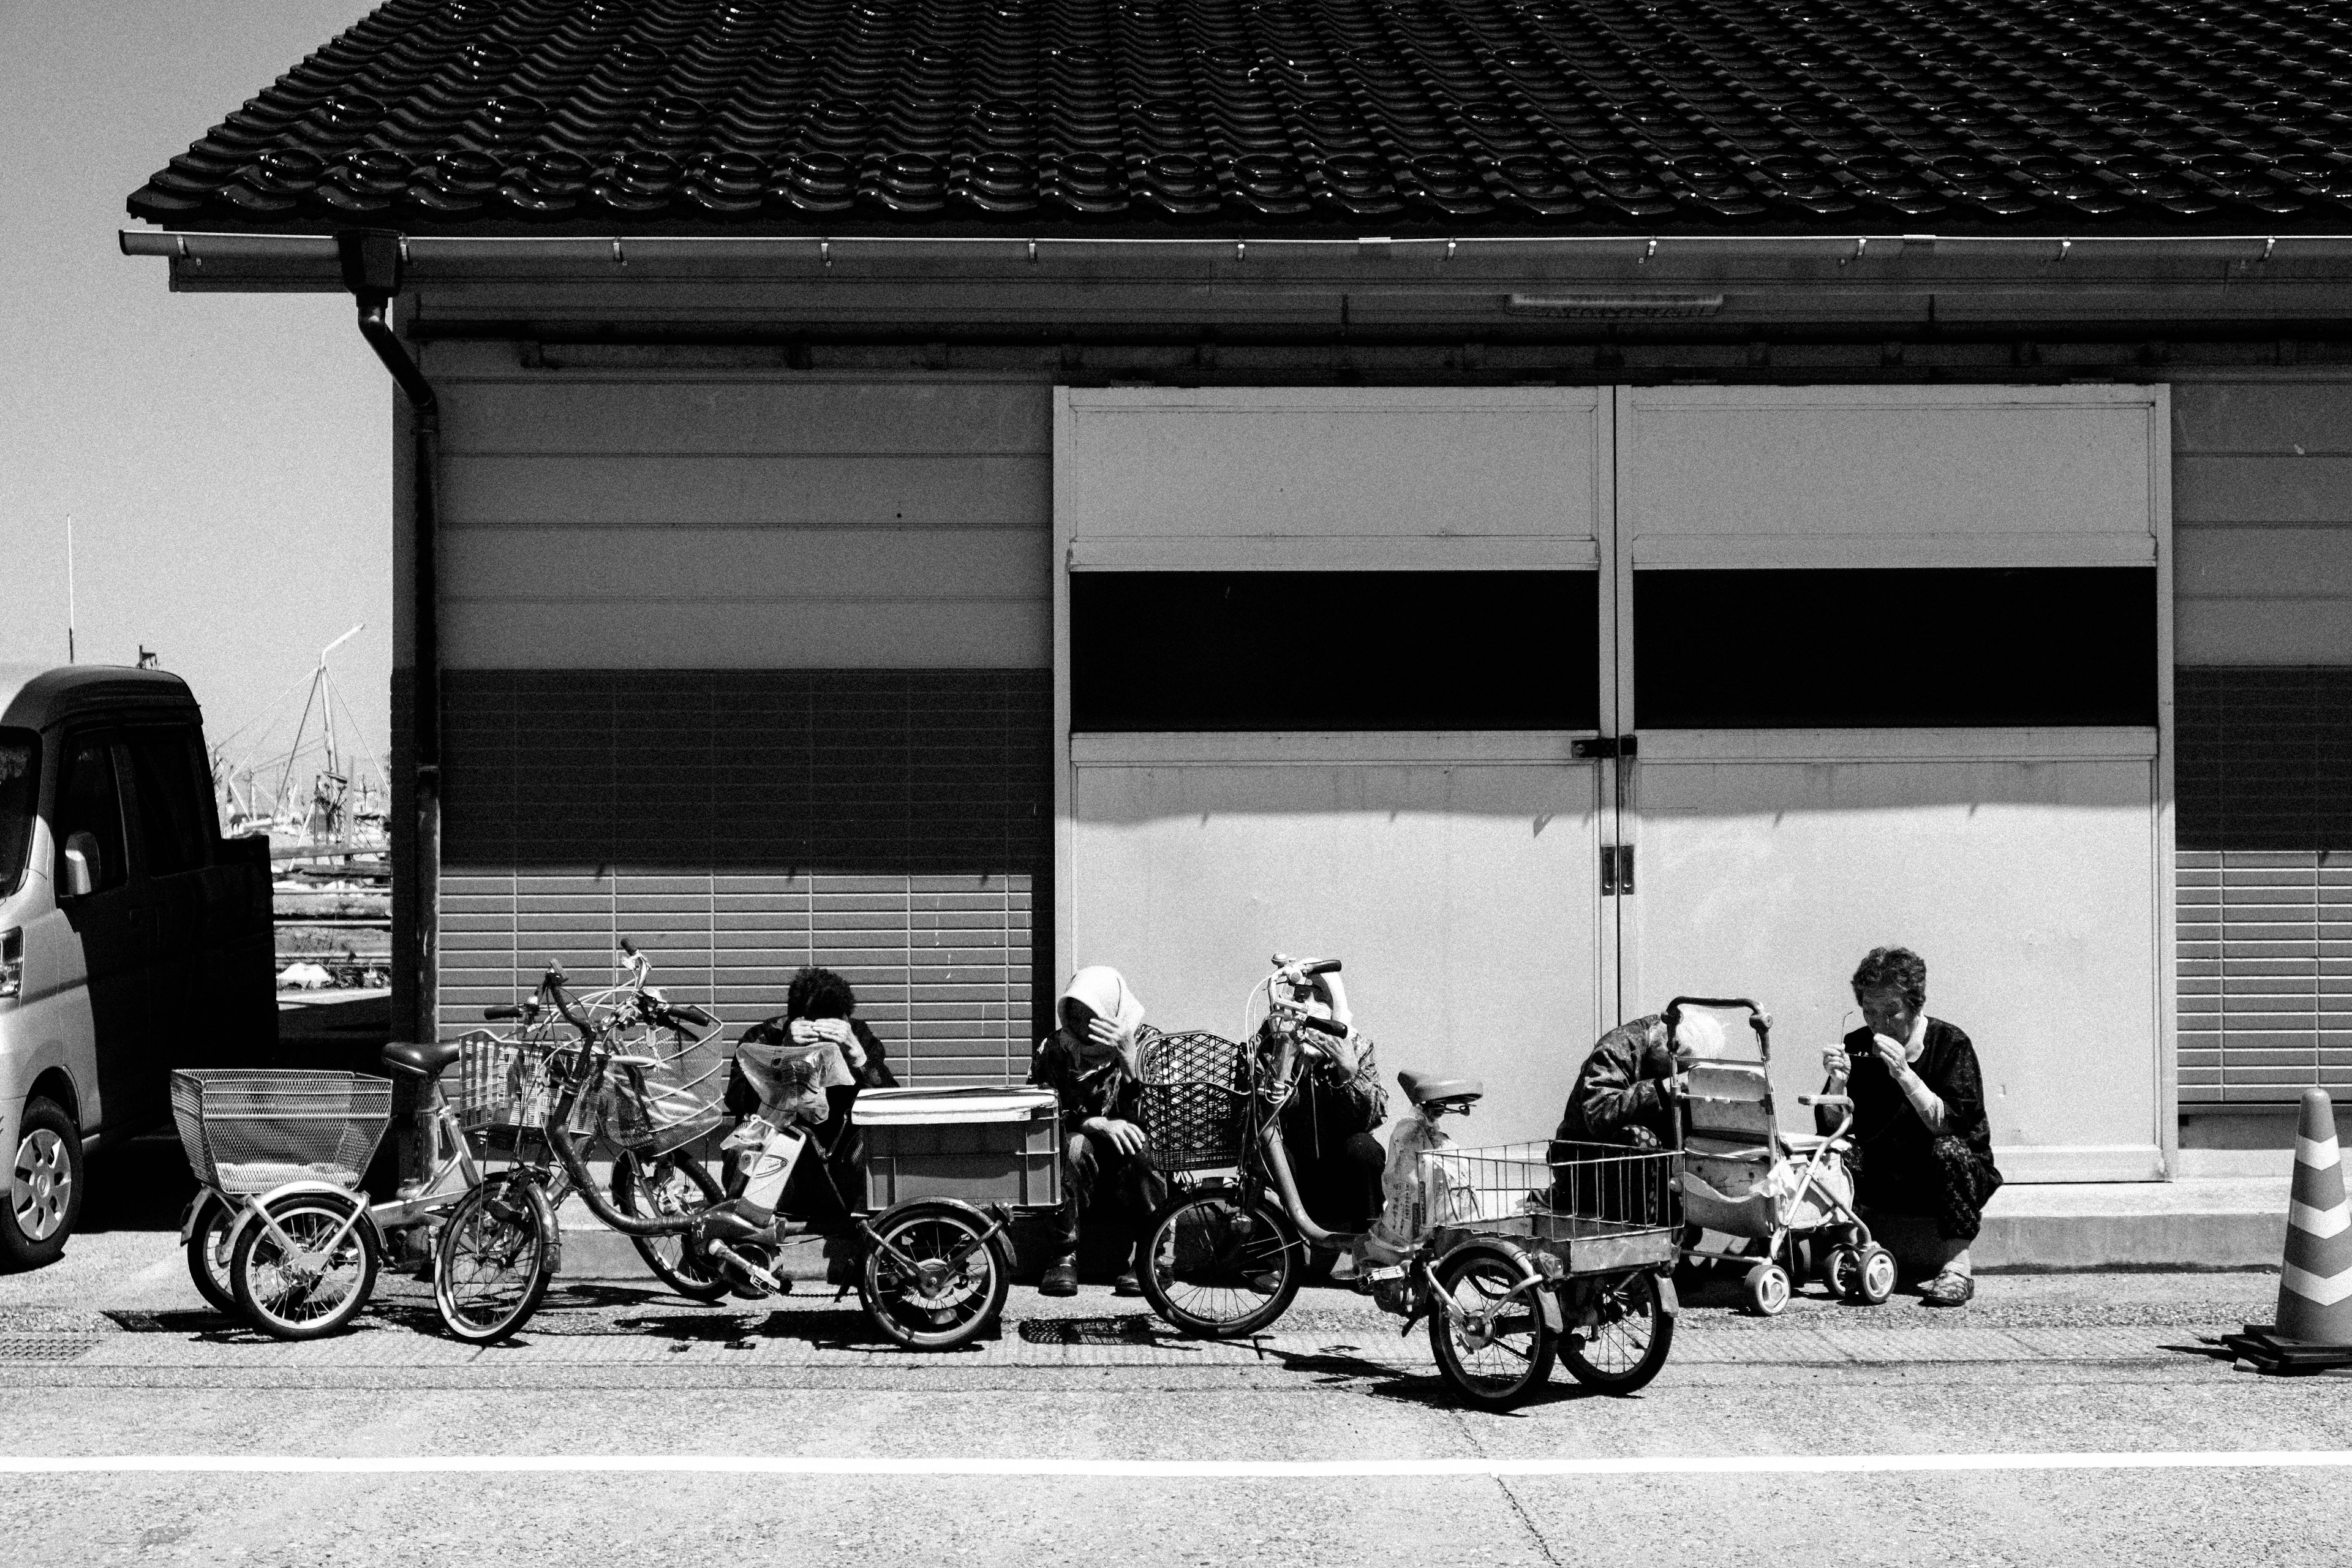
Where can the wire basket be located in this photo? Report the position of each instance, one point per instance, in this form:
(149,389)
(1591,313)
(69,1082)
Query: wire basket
(248,1130)
(1551,1190)
(1196,1089)
(504,1088)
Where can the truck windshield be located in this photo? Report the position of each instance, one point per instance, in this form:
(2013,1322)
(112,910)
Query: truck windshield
(20,781)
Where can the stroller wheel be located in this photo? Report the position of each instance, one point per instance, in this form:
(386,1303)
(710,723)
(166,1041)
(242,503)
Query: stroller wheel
(1841,1272)
(1874,1280)
(1767,1287)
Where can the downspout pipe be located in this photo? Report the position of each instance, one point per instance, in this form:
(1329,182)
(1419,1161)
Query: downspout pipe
(372,262)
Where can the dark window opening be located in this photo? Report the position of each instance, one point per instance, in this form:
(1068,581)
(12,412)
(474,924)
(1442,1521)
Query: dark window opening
(20,783)
(90,814)
(1334,650)
(1959,648)
(177,818)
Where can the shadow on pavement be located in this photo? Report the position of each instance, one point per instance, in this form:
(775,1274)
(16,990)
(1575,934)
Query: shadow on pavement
(142,1185)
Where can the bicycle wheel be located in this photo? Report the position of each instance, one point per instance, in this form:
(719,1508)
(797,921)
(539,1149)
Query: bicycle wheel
(675,1185)
(208,1260)
(1625,1349)
(956,1287)
(1498,1351)
(1221,1264)
(319,1282)
(495,1259)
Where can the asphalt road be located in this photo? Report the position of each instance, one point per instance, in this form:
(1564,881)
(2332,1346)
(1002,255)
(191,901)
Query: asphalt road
(109,1355)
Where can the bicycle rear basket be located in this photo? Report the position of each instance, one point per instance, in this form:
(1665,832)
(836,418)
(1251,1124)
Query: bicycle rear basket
(248,1130)
(1195,1095)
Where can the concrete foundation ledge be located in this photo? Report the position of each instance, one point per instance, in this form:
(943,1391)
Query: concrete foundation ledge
(2205,1223)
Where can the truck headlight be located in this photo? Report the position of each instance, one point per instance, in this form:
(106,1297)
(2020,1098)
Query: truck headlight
(12,963)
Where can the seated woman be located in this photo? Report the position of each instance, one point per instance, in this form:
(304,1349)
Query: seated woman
(1627,1092)
(804,1068)
(1923,1146)
(1328,1126)
(1089,1063)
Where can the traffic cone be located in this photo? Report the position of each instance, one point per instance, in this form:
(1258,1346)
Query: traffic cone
(2316,1283)
(2314,1332)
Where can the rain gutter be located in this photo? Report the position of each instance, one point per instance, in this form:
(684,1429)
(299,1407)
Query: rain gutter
(572,252)
(372,264)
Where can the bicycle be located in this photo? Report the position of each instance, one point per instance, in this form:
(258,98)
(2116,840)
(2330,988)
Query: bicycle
(932,1273)
(645,1128)
(281,1234)
(1520,1255)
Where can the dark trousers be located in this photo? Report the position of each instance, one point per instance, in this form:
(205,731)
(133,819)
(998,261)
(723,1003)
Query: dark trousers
(1340,1184)
(1946,1182)
(1098,1181)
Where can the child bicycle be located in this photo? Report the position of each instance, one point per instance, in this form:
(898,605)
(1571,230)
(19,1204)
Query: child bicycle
(1515,1257)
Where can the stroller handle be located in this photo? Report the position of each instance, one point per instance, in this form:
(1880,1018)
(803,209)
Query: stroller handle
(1845,1099)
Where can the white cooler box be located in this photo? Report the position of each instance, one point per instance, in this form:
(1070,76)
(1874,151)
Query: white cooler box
(982,1145)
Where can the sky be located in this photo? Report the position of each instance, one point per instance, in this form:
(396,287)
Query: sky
(226,458)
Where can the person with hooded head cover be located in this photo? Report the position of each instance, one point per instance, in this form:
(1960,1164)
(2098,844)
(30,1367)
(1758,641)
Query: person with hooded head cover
(1107,1167)
(1630,1088)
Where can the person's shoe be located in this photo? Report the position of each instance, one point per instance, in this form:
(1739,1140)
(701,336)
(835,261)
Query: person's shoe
(1343,1267)
(1948,1290)
(1061,1280)
(1127,1284)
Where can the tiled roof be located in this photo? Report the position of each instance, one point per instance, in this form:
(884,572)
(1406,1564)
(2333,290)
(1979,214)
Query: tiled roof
(1363,116)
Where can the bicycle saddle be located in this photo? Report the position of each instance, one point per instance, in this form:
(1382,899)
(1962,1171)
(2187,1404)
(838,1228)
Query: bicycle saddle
(1421,1087)
(425,1061)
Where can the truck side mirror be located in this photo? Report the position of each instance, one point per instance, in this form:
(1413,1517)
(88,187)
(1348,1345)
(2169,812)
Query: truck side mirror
(81,864)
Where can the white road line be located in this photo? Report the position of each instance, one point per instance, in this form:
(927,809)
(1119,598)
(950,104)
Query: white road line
(1156,1469)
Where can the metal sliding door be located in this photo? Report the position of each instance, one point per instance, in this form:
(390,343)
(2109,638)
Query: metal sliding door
(1329,665)
(1897,666)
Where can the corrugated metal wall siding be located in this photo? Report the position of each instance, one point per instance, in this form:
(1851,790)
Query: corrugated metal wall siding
(891,825)
(751,668)
(2262,536)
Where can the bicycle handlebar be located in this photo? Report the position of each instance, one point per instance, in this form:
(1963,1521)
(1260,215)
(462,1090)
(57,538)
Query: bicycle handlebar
(500,1014)
(1322,1026)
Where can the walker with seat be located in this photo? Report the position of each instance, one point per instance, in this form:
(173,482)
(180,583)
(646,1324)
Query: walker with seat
(1777,1194)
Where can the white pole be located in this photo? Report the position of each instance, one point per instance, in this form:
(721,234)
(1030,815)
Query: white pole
(69,590)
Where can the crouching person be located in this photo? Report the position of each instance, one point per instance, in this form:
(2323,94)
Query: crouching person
(1923,1144)
(1109,1173)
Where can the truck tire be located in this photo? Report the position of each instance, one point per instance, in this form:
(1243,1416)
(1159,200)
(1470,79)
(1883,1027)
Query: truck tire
(40,1190)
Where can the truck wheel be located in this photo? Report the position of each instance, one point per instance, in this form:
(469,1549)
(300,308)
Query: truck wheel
(42,1187)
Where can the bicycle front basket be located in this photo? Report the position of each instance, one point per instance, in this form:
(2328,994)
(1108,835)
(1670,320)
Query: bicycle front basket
(249,1130)
(504,1088)
(1195,1099)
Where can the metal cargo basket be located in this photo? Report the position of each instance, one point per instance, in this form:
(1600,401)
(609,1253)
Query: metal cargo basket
(1196,1089)
(249,1130)
(1596,1206)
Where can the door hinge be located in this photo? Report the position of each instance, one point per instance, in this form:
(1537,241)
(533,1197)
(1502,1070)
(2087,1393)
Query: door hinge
(1616,869)
(1598,746)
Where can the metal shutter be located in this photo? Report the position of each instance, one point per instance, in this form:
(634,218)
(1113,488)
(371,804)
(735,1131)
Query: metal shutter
(888,823)
(2264,786)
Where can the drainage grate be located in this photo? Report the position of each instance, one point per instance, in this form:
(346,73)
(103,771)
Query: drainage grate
(46,1347)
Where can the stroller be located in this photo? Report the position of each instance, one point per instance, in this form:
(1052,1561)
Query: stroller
(1781,1195)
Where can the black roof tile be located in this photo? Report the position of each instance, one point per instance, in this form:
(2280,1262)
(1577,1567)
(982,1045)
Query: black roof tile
(678,116)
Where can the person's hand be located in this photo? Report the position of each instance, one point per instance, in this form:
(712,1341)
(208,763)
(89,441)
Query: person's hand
(809,1031)
(1836,1063)
(1341,1052)
(1107,1035)
(1676,1086)
(1890,1054)
(1124,1136)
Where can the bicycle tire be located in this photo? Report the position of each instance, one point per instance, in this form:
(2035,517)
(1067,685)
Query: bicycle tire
(505,1225)
(1498,1370)
(1234,1263)
(278,1293)
(208,1255)
(667,1254)
(1638,1336)
(951,1302)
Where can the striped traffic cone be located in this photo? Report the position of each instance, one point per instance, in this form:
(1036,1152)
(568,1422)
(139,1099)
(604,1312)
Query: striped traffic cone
(2313,1331)
(2316,1284)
